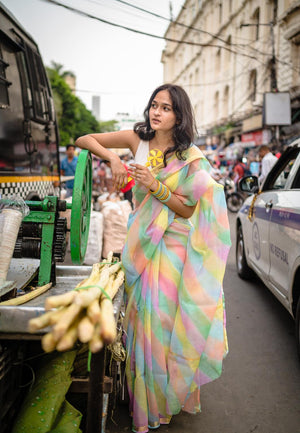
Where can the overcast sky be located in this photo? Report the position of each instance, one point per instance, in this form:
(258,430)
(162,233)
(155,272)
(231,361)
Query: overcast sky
(121,66)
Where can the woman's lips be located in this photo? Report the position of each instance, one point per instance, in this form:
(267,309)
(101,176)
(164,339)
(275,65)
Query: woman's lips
(155,121)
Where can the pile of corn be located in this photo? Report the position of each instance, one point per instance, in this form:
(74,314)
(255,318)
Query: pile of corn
(85,314)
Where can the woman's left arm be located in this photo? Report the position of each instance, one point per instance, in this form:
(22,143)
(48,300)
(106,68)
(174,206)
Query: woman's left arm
(143,175)
(180,209)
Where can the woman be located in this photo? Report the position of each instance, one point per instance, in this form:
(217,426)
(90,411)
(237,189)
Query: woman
(174,259)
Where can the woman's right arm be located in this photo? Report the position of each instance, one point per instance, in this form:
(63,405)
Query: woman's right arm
(99,145)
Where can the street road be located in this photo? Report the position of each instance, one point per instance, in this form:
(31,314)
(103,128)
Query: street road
(259,390)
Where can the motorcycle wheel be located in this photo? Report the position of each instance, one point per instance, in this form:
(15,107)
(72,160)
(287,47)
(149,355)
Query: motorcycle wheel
(234,202)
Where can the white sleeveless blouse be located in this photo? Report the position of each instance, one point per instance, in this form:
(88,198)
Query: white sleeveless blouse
(142,153)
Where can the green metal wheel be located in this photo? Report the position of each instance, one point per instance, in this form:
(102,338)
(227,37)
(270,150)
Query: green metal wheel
(81,207)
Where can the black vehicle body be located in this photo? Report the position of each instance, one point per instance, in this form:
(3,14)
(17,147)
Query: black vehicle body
(29,141)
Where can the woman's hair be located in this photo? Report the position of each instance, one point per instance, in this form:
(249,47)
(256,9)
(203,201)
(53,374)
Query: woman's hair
(184,130)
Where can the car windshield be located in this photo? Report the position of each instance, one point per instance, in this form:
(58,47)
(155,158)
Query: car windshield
(280,181)
(279,178)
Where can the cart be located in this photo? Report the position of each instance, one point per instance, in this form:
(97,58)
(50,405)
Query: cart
(47,246)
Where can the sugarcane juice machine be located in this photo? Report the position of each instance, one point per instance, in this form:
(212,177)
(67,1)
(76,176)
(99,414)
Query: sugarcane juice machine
(42,238)
(43,232)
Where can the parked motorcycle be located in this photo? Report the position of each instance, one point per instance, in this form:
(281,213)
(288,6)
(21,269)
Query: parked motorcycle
(234,199)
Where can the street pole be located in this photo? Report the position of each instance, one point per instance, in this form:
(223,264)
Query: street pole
(273,61)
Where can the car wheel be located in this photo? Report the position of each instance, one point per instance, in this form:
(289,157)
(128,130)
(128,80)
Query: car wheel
(234,202)
(298,327)
(243,269)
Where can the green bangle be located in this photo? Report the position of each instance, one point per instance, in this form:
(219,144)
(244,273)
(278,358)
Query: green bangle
(168,196)
(162,193)
(158,189)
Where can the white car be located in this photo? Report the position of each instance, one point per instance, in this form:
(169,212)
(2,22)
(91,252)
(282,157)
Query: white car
(268,231)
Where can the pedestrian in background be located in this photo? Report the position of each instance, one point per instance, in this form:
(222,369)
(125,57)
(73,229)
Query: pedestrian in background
(267,161)
(239,169)
(68,168)
(126,188)
(174,260)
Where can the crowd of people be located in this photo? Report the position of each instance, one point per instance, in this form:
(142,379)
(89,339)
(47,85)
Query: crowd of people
(257,163)
(103,182)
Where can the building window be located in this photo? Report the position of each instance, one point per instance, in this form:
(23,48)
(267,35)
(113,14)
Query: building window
(220,12)
(227,53)
(256,22)
(226,101)
(252,85)
(197,77)
(296,61)
(216,105)
(39,86)
(218,63)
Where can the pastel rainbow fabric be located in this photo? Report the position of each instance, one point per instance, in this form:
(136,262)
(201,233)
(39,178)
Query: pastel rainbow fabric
(175,316)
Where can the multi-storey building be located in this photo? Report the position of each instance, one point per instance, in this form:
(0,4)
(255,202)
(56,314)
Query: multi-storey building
(227,54)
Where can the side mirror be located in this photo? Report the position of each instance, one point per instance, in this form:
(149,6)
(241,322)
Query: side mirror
(249,184)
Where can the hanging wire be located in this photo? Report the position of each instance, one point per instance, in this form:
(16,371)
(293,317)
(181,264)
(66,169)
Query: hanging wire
(88,15)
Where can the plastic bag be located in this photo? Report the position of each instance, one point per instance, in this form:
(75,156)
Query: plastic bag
(12,211)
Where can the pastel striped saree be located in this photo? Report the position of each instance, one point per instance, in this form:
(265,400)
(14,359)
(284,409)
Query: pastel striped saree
(175,316)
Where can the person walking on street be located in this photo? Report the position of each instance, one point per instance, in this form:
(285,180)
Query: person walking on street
(267,161)
(174,260)
(239,169)
(68,168)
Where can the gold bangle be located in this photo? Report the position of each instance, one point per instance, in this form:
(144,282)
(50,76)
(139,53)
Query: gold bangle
(165,195)
(165,200)
(162,192)
(154,179)
(157,189)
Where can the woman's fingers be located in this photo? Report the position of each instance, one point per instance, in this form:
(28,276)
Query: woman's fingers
(141,174)
(119,174)
(120,180)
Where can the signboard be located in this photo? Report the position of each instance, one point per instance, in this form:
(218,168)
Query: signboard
(256,138)
(277,109)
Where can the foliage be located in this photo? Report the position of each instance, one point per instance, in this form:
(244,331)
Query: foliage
(222,128)
(109,126)
(74,119)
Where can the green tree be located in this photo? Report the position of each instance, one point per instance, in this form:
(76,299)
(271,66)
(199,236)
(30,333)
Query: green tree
(74,119)
(109,126)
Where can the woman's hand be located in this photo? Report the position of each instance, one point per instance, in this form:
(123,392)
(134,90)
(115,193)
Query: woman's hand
(142,175)
(119,173)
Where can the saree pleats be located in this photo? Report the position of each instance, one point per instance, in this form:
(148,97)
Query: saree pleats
(175,316)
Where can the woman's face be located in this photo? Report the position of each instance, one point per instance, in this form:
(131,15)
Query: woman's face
(161,114)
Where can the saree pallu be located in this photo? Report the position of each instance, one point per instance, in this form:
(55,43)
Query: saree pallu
(175,314)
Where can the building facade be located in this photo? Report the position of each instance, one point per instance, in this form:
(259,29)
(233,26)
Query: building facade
(227,54)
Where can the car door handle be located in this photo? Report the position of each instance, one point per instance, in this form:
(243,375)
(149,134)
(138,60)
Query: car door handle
(269,205)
